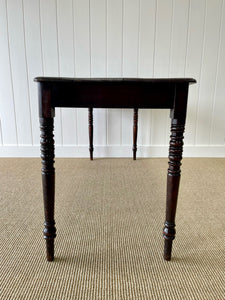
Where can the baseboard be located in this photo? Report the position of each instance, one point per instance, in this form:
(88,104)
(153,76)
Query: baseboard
(112,151)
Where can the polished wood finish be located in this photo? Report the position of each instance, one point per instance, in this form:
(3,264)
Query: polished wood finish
(90,127)
(169,93)
(173,180)
(48,183)
(112,93)
(135,130)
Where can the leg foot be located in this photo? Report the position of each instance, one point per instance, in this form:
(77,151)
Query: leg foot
(169,235)
(49,235)
(50,249)
(167,249)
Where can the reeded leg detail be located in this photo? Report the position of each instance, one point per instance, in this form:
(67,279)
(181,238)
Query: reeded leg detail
(90,125)
(48,183)
(135,130)
(173,179)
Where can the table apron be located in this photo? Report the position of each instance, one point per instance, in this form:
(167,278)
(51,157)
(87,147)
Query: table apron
(109,95)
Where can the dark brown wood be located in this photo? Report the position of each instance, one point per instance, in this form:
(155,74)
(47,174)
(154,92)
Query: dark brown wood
(135,131)
(112,93)
(173,180)
(46,108)
(149,80)
(169,93)
(90,126)
(48,183)
(178,116)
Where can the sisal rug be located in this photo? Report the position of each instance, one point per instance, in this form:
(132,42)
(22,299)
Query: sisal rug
(109,219)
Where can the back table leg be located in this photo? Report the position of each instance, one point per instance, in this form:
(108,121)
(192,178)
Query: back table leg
(48,182)
(173,179)
(135,130)
(90,125)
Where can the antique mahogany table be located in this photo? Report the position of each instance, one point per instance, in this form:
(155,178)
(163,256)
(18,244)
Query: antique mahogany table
(112,93)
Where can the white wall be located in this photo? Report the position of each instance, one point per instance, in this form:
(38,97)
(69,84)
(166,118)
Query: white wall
(112,38)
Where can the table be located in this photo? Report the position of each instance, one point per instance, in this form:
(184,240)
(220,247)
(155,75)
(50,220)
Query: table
(168,93)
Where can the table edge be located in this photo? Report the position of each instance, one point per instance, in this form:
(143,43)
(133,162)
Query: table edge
(131,80)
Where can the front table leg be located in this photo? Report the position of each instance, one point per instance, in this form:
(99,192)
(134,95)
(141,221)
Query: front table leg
(173,179)
(48,183)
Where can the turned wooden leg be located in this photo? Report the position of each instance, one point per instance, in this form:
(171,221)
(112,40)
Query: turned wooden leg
(48,183)
(173,179)
(90,118)
(135,130)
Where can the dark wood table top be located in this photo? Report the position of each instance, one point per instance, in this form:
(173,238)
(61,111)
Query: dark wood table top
(132,80)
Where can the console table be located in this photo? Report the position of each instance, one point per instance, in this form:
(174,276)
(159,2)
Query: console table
(132,93)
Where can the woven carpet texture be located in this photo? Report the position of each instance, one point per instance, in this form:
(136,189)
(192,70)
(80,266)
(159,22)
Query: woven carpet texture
(109,218)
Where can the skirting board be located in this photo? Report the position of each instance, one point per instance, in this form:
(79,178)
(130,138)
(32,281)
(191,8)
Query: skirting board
(112,151)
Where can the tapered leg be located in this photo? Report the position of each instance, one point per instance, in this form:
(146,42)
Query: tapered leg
(90,118)
(173,179)
(135,130)
(48,183)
